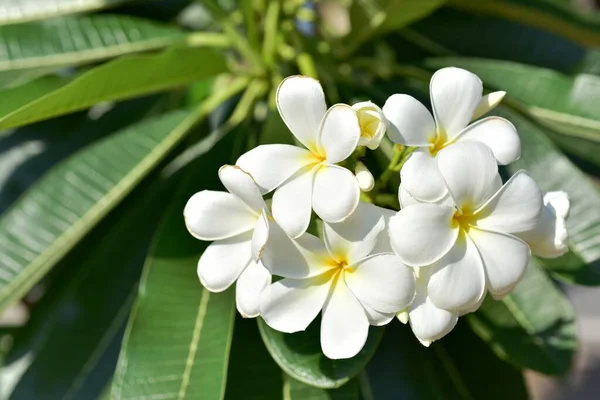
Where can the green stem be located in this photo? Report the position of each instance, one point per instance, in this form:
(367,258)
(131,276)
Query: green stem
(208,39)
(390,171)
(250,22)
(306,65)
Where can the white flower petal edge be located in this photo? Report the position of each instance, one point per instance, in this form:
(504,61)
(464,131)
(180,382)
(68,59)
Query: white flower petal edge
(239,183)
(549,237)
(488,103)
(301,104)
(428,322)
(290,305)
(249,287)
(223,261)
(339,133)
(410,123)
(344,325)
(335,193)
(498,134)
(455,94)
(421,234)
(421,177)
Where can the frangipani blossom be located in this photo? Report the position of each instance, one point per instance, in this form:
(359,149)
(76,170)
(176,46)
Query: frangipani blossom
(549,237)
(307,178)
(428,322)
(470,245)
(373,124)
(456,97)
(343,278)
(238,223)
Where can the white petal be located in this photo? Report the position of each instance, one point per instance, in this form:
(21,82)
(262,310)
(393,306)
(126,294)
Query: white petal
(272,164)
(211,215)
(344,324)
(498,134)
(260,236)
(356,236)
(410,123)
(428,322)
(423,233)
(458,278)
(488,103)
(240,183)
(549,237)
(470,172)
(373,124)
(406,199)
(382,282)
(223,261)
(339,133)
(455,95)
(335,193)
(301,104)
(249,288)
(377,318)
(290,305)
(364,177)
(383,244)
(303,257)
(505,258)
(421,177)
(292,202)
(516,207)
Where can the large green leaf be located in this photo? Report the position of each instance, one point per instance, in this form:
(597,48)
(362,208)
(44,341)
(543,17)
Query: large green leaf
(533,327)
(300,355)
(568,105)
(128,77)
(59,210)
(454,32)
(17,11)
(556,16)
(177,328)
(296,390)
(74,41)
(85,312)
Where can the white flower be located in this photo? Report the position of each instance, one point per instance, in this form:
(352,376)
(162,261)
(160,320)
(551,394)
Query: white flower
(470,245)
(364,177)
(238,223)
(344,277)
(428,322)
(308,179)
(456,96)
(549,237)
(372,124)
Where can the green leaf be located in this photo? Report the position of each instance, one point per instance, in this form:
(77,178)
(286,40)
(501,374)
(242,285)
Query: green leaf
(567,105)
(556,16)
(454,32)
(129,77)
(92,297)
(376,17)
(18,11)
(533,327)
(300,356)
(296,390)
(67,202)
(178,329)
(553,171)
(75,41)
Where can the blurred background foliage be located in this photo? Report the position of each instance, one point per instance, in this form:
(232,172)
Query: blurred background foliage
(114,112)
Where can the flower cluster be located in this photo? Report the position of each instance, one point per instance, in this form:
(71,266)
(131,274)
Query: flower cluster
(460,233)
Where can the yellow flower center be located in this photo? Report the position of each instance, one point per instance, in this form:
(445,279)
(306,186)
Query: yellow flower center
(464,218)
(438,142)
(369,122)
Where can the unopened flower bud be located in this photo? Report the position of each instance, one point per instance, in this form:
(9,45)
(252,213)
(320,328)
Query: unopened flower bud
(373,124)
(365,179)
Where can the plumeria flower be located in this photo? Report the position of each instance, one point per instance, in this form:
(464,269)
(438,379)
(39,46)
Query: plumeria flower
(364,177)
(549,237)
(373,124)
(470,244)
(238,223)
(456,97)
(428,322)
(308,178)
(343,277)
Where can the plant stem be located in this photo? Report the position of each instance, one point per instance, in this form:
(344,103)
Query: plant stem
(208,39)
(271,24)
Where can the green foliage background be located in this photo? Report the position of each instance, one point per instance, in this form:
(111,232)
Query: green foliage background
(114,112)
